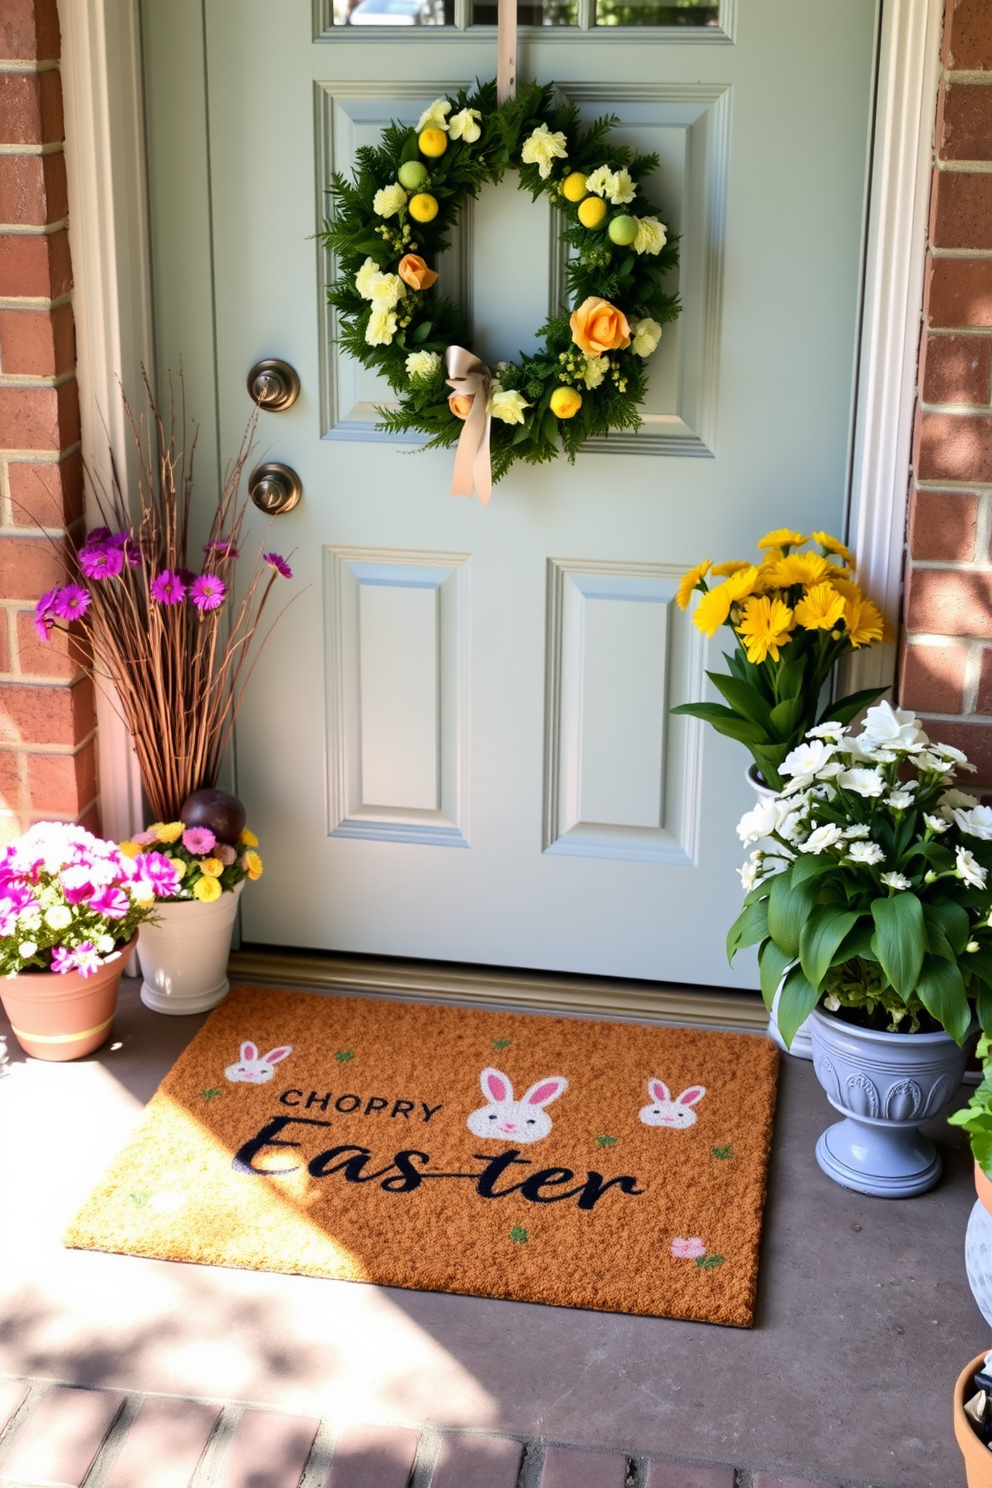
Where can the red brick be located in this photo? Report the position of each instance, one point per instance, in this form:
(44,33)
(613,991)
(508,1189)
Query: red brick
(37,343)
(31,566)
(32,189)
(942,601)
(942,526)
(373,1457)
(164,1445)
(571,1467)
(6,661)
(60,1439)
(41,714)
(932,678)
(961,215)
(59,659)
(38,267)
(953,447)
(30,29)
(984,701)
(976,741)
(11,785)
(90,820)
(959,292)
(39,418)
(953,369)
(30,108)
(477,1462)
(268,1450)
(64,783)
(967,36)
(685,1475)
(46,493)
(964,122)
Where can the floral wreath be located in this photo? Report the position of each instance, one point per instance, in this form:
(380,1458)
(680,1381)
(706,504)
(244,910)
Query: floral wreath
(389,227)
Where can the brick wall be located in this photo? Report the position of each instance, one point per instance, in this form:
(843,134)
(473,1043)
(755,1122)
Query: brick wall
(946,670)
(47,720)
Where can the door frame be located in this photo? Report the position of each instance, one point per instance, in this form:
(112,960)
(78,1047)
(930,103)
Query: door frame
(112,297)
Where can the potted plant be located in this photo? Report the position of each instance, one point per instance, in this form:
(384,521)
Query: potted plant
(976,1120)
(970,1398)
(870,904)
(70,907)
(197,877)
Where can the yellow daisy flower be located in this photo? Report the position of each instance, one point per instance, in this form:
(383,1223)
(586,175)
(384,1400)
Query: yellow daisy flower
(731,567)
(865,622)
(742,583)
(168,831)
(782,537)
(834,545)
(207,890)
(212,867)
(712,610)
(686,586)
(248,838)
(845,586)
(820,608)
(180,866)
(764,627)
(800,568)
(130,849)
(253,865)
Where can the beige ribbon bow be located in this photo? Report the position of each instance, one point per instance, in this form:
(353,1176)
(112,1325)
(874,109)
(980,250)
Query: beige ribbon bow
(473,468)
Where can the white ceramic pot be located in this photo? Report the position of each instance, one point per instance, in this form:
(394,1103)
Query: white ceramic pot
(978,1258)
(884,1084)
(184,957)
(802,1044)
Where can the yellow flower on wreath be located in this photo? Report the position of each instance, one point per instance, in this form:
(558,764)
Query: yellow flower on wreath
(248,839)
(765,626)
(820,607)
(801,568)
(253,865)
(168,831)
(689,582)
(782,537)
(835,546)
(207,890)
(714,607)
(213,867)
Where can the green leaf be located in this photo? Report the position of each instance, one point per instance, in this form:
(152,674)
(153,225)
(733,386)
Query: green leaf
(821,935)
(941,989)
(750,926)
(953,920)
(724,720)
(983,1007)
(788,910)
(857,943)
(899,941)
(811,865)
(937,942)
(742,698)
(422,332)
(786,716)
(772,964)
(798,1000)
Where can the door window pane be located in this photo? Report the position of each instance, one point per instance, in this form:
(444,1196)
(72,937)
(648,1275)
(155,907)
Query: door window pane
(530,13)
(394,12)
(654,13)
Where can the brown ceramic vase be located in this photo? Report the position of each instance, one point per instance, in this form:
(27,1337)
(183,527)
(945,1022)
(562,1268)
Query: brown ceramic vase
(62,1015)
(977,1457)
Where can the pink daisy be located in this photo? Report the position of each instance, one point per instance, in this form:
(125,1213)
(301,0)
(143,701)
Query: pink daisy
(199,840)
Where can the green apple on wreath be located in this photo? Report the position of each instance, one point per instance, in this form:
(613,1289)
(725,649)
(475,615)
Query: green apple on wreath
(389,228)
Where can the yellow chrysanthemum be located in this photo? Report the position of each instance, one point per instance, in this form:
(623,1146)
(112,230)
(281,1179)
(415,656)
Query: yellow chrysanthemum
(248,838)
(865,622)
(742,583)
(732,566)
(714,607)
(180,866)
(782,537)
(764,627)
(130,849)
(253,865)
(800,568)
(212,867)
(168,831)
(207,890)
(834,545)
(687,585)
(845,586)
(820,608)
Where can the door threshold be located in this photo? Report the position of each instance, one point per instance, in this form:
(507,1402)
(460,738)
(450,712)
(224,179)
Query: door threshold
(538,991)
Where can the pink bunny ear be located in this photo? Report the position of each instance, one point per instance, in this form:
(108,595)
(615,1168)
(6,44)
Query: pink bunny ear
(545,1091)
(496,1085)
(276,1056)
(659,1091)
(248,1053)
(692,1096)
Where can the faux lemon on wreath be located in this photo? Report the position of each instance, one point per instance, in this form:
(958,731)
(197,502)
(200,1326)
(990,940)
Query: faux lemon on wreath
(389,228)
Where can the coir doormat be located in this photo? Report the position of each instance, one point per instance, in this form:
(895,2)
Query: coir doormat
(586,1164)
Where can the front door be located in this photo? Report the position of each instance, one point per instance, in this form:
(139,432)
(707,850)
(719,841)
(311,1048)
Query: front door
(457,744)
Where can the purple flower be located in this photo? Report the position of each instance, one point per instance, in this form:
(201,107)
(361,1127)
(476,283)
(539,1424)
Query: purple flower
(71,603)
(222,546)
(77,884)
(86,959)
(279,564)
(168,588)
(160,871)
(199,840)
(43,612)
(97,536)
(207,592)
(63,960)
(111,903)
(100,562)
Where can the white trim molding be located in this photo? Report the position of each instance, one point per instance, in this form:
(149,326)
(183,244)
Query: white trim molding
(112,300)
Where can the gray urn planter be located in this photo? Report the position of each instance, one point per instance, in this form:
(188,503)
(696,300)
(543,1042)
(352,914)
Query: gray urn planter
(884,1084)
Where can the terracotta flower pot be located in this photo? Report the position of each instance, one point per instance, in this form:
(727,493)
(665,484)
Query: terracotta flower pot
(62,1015)
(983,1188)
(977,1457)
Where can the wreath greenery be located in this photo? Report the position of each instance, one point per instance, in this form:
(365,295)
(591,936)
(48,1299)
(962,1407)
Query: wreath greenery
(390,224)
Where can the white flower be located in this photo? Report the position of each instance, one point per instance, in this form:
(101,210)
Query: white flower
(652,235)
(927,760)
(506,404)
(972,946)
(899,800)
(620,188)
(822,838)
(542,148)
(894,728)
(599,180)
(105,944)
(807,758)
(58,917)
(422,363)
(645,336)
(831,1003)
(363,279)
(865,852)
(969,869)
(934,822)
(436,117)
(381,327)
(27,949)
(384,290)
(595,371)
(760,821)
(863,782)
(853,833)
(896,881)
(827,731)
(750,874)
(955,756)
(389,199)
(977,822)
(465,125)
(954,798)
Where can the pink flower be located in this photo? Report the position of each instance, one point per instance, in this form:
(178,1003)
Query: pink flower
(71,602)
(43,612)
(688,1250)
(77,884)
(62,960)
(145,839)
(199,840)
(100,562)
(276,561)
(168,588)
(227,854)
(111,904)
(86,959)
(222,546)
(207,592)
(160,871)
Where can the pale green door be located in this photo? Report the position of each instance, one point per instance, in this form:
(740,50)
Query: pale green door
(457,744)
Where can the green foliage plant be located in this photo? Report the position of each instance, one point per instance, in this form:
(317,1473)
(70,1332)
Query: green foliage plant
(976,1116)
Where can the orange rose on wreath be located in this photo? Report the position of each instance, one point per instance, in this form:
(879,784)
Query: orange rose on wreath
(598,326)
(414,271)
(461,404)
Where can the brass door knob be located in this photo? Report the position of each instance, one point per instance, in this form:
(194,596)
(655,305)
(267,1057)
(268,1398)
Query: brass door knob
(275,488)
(273,385)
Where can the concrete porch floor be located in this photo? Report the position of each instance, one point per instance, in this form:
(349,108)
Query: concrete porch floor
(864,1320)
